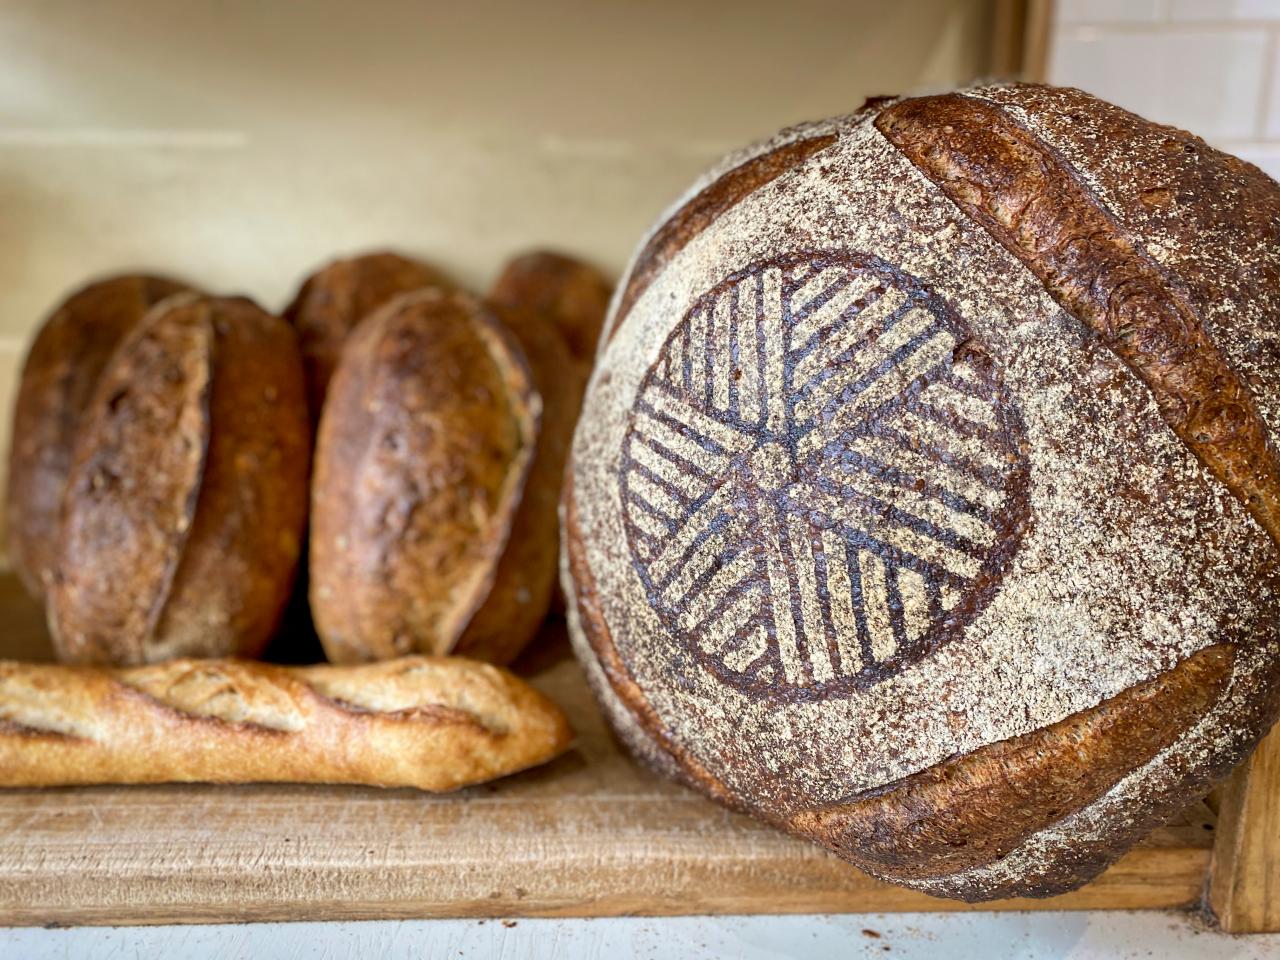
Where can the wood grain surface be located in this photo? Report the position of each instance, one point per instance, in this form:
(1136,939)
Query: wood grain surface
(1244,882)
(591,834)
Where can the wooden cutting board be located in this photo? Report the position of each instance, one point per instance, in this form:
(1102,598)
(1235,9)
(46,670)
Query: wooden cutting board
(591,834)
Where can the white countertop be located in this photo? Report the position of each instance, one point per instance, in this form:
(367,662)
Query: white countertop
(903,936)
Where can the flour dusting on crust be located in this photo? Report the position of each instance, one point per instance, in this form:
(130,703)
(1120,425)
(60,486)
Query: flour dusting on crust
(1133,556)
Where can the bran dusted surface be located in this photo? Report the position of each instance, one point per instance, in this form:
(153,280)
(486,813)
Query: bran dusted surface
(1134,557)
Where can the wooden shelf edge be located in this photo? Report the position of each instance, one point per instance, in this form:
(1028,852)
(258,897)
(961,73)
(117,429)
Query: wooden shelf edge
(1243,890)
(590,835)
(1148,878)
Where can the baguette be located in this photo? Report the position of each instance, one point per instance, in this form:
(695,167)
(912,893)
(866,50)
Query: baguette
(426,722)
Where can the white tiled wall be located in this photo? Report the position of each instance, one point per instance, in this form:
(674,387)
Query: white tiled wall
(1209,66)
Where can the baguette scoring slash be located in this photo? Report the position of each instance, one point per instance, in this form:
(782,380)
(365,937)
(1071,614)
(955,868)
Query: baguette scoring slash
(433,723)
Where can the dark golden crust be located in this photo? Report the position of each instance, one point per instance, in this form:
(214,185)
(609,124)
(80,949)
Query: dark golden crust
(332,301)
(972,810)
(1032,202)
(525,577)
(186,500)
(1148,400)
(704,209)
(132,490)
(434,724)
(1255,706)
(58,379)
(598,636)
(568,293)
(236,572)
(423,451)
(536,293)
(1188,192)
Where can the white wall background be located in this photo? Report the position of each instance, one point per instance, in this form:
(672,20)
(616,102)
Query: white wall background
(1209,66)
(241,143)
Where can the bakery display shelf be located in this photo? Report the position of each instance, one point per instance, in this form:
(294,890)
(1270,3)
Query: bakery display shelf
(591,834)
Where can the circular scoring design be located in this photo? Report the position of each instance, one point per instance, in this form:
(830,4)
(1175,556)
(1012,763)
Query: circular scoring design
(822,479)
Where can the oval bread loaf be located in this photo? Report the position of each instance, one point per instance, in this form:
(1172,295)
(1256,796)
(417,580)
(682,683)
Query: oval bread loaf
(525,577)
(426,722)
(566,292)
(333,300)
(926,499)
(424,447)
(186,499)
(58,379)
(539,297)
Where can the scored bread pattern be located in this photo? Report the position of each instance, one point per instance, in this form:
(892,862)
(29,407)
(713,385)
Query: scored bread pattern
(46,699)
(822,477)
(434,723)
(35,698)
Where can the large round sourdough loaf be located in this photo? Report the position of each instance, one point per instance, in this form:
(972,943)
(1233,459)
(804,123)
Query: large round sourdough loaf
(925,503)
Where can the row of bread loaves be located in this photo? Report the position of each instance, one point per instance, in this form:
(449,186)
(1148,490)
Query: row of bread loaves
(163,466)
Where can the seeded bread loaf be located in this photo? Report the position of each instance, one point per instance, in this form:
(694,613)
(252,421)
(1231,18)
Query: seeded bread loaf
(333,300)
(430,723)
(58,378)
(567,293)
(925,502)
(525,577)
(186,499)
(542,299)
(423,451)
